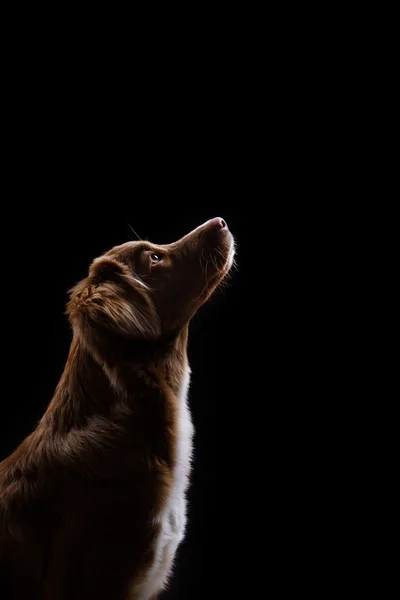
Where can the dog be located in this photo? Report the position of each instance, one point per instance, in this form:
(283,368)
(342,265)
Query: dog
(92,503)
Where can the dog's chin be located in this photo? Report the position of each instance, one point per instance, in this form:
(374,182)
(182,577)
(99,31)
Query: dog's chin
(229,253)
(223,270)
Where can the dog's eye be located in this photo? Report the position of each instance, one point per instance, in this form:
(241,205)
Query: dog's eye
(154,257)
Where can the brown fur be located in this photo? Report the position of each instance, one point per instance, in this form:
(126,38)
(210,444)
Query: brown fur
(79,494)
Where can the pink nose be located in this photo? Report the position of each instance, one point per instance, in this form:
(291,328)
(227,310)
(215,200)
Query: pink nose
(218,223)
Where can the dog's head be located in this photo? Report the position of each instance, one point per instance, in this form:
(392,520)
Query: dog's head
(141,290)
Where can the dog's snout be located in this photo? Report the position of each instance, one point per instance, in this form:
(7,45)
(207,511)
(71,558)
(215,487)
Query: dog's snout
(218,223)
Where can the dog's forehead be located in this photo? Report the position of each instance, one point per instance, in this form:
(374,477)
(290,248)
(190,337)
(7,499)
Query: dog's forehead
(126,249)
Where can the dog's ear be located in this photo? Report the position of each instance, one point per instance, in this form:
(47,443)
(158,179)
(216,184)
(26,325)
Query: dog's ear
(112,300)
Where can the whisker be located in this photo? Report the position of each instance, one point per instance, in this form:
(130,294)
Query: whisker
(202,257)
(214,263)
(206,276)
(134,232)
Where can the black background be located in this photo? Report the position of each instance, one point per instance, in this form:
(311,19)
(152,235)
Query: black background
(242,142)
(260,130)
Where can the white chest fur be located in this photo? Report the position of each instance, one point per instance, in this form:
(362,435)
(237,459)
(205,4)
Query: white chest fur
(172,519)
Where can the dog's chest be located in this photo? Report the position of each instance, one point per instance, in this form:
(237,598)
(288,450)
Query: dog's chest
(172,519)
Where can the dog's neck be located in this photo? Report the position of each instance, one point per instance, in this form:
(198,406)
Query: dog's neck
(88,388)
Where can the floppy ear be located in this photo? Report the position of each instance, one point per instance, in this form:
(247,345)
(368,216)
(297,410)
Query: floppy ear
(112,300)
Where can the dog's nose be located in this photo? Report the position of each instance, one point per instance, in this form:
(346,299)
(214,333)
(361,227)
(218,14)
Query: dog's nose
(218,223)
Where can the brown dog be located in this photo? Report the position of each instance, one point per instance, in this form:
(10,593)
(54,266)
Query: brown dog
(93,501)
